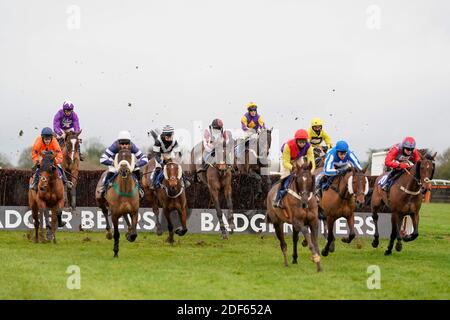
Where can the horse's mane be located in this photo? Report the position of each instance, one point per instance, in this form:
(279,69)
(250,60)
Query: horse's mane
(47,161)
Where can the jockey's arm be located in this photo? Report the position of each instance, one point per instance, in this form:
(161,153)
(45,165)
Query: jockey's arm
(36,151)
(390,160)
(261,122)
(57,123)
(244,123)
(310,158)
(141,158)
(327,139)
(286,157)
(329,168)
(107,157)
(157,151)
(76,122)
(354,160)
(58,152)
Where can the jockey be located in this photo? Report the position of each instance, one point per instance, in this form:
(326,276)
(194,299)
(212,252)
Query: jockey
(337,162)
(66,120)
(317,134)
(401,156)
(210,136)
(293,150)
(164,148)
(252,123)
(123,142)
(46,142)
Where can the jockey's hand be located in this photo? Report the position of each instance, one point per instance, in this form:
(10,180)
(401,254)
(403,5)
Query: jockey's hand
(404,165)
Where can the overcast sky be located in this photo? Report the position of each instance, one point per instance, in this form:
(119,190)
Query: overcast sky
(375,71)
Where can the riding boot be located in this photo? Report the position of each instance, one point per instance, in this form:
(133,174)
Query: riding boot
(321,214)
(79,152)
(60,222)
(186,182)
(137,175)
(155,180)
(104,187)
(280,194)
(34,184)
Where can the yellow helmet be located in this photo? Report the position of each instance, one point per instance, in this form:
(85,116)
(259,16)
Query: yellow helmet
(251,105)
(316,122)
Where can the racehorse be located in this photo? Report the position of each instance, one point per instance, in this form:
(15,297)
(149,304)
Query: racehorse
(299,209)
(404,199)
(121,199)
(170,196)
(345,194)
(255,157)
(71,163)
(50,195)
(319,155)
(218,176)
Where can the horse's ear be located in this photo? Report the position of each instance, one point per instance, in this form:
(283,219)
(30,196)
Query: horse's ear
(433,157)
(79,132)
(270,130)
(365,168)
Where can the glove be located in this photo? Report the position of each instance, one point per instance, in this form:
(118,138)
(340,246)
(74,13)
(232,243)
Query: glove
(341,171)
(404,165)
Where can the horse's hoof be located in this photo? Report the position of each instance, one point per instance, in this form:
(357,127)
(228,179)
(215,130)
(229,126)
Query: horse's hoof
(294,262)
(54,241)
(324,253)
(304,243)
(131,237)
(331,249)
(169,241)
(224,236)
(109,235)
(159,232)
(319,268)
(398,246)
(387,252)
(116,255)
(375,243)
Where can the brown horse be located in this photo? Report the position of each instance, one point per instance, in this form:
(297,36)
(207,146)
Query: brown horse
(346,192)
(218,176)
(71,164)
(299,209)
(404,199)
(319,155)
(170,196)
(121,199)
(255,157)
(50,195)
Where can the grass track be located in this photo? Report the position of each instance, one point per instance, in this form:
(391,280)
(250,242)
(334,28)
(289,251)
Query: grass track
(206,267)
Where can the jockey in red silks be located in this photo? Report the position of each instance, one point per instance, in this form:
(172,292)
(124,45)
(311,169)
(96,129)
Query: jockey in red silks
(401,156)
(66,120)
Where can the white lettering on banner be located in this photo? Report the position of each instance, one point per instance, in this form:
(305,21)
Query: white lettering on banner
(101,221)
(341,225)
(370,226)
(1,226)
(87,220)
(287,227)
(147,218)
(359,222)
(238,216)
(262,227)
(27,220)
(8,215)
(67,217)
(206,220)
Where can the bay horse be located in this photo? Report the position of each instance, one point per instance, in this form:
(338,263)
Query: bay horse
(121,199)
(170,196)
(71,164)
(255,157)
(299,209)
(404,199)
(346,193)
(218,177)
(50,195)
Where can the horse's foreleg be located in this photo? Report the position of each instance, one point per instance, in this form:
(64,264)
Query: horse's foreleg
(398,245)
(35,213)
(295,233)
(394,233)
(215,197)
(314,227)
(415,234)
(280,235)
(73,196)
(115,221)
(182,213)
(169,226)
(376,236)
(351,228)
(108,225)
(230,217)
(131,236)
(55,212)
(127,221)
(330,240)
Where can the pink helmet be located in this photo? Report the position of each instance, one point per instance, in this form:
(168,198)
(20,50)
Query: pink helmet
(409,143)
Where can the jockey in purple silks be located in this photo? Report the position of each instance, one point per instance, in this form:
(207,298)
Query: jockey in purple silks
(66,120)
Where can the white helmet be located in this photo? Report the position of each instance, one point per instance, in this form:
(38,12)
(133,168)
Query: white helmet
(124,135)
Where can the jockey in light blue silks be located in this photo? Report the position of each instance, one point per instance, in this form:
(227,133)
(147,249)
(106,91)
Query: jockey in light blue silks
(107,158)
(337,161)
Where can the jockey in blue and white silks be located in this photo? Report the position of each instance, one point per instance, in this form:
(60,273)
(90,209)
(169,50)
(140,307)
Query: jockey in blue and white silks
(337,161)
(107,158)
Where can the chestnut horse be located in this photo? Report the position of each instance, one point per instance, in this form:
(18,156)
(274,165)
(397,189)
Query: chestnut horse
(299,209)
(71,164)
(404,199)
(218,176)
(255,157)
(50,195)
(121,199)
(170,196)
(346,192)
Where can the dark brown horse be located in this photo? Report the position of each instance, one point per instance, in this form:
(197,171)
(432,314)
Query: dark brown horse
(346,192)
(121,199)
(50,195)
(170,196)
(71,164)
(299,209)
(254,158)
(218,176)
(404,199)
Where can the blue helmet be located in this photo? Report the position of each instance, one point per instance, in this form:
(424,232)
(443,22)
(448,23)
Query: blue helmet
(47,132)
(341,146)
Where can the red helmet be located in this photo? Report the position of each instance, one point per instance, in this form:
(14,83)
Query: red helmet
(409,143)
(301,134)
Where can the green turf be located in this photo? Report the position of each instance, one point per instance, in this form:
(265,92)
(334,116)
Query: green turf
(206,267)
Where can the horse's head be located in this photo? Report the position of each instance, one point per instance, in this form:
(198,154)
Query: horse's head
(47,169)
(224,155)
(125,162)
(72,143)
(304,182)
(424,170)
(173,174)
(264,142)
(358,185)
